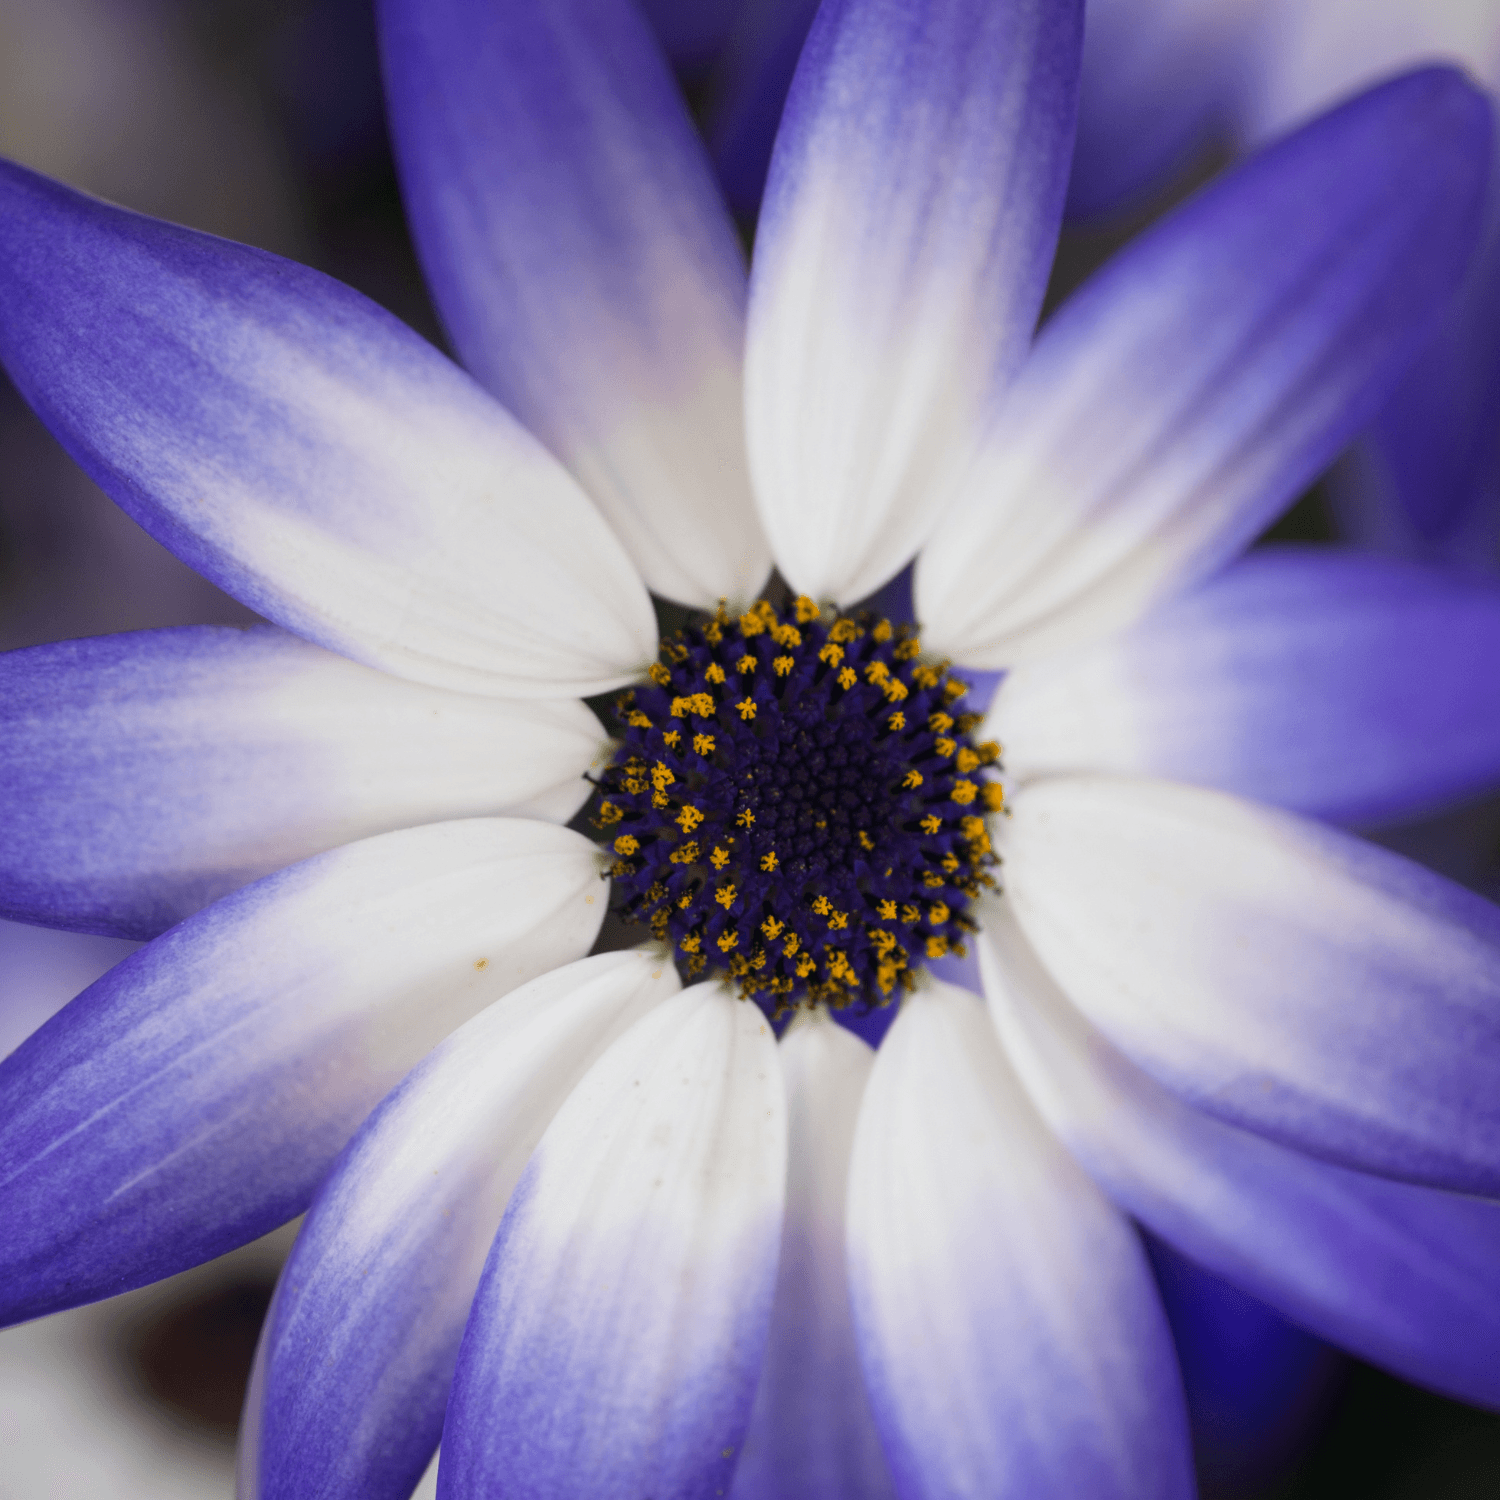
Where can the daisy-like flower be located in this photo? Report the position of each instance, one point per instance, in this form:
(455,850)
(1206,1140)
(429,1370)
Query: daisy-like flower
(628,1242)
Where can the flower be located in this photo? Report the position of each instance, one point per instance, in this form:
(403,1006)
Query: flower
(1196,997)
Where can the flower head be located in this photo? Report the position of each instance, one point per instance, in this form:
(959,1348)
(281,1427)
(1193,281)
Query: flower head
(590,1226)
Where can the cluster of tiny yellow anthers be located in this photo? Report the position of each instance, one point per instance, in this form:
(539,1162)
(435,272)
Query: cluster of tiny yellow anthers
(797,802)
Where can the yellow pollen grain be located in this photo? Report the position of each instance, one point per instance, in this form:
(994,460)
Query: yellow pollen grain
(940,723)
(773,927)
(910,914)
(964,792)
(786,635)
(746,707)
(967,761)
(805,610)
(938,913)
(894,690)
(671,737)
(937,945)
(729,940)
(713,673)
(637,720)
(719,858)
(768,862)
(994,796)
(897,721)
(877,671)
(690,943)
(746,663)
(685,854)
(746,818)
(783,665)
(791,945)
(913,778)
(658,674)
(726,896)
(703,744)
(944,746)
(609,813)
(931,824)
(688,817)
(831,654)
(866,842)
(822,905)
(847,678)
(627,843)
(887,910)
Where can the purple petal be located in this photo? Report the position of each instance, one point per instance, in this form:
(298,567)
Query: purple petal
(193,1097)
(1337,684)
(1273,972)
(1192,388)
(373,1301)
(1010,1331)
(811,1431)
(144,776)
(619,1327)
(1401,1275)
(900,262)
(584,265)
(690,31)
(310,454)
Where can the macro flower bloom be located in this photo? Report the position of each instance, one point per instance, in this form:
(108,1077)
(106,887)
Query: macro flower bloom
(605,1235)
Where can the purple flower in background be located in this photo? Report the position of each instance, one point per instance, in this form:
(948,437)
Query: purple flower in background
(723,1263)
(1162,78)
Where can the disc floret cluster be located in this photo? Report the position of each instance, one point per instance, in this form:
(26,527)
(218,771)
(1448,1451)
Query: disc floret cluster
(797,803)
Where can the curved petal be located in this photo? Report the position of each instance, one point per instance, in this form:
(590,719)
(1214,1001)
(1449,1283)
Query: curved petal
(811,1431)
(376,1293)
(310,454)
(1185,395)
(1341,685)
(41,970)
(900,262)
(584,265)
(144,776)
(1401,1275)
(690,31)
(1010,1330)
(1271,971)
(193,1097)
(620,1322)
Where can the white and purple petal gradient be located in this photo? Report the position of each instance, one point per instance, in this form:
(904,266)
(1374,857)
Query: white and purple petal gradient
(192,1098)
(901,257)
(1401,1275)
(310,454)
(621,1320)
(811,1431)
(1185,394)
(585,267)
(1340,685)
(143,776)
(1010,1330)
(1271,971)
(374,1299)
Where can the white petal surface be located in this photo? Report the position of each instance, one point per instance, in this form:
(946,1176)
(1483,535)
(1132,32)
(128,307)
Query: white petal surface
(196,1095)
(1009,1326)
(811,1432)
(1332,682)
(900,260)
(377,1291)
(143,776)
(1271,971)
(1401,1275)
(584,263)
(619,1327)
(1179,401)
(310,454)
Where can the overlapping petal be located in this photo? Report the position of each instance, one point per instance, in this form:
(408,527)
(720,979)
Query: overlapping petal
(193,1097)
(1182,398)
(1271,971)
(310,454)
(144,776)
(585,267)
(901,257)
(1009,1327)
(621,1318)
(1337,684)
(374,1299)
(811,1431)
(1401,1275)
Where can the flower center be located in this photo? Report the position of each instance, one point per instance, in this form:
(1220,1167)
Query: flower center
(797,803)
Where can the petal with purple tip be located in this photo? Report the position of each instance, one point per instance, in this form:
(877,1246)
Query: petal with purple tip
(310,454)
(1340,685)
(620,1322)
(585,267)
(193,1097)
(1271,971)
(901,256)
(1183,397)
(144,776)
(1401,1275)
(811,1432)
(374,1298)
(1011,1334)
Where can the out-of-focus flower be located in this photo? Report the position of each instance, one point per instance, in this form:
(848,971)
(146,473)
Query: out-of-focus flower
(1202,998)
(1161,78)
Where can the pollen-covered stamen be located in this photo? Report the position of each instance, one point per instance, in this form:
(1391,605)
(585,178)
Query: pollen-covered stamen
(798,802)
